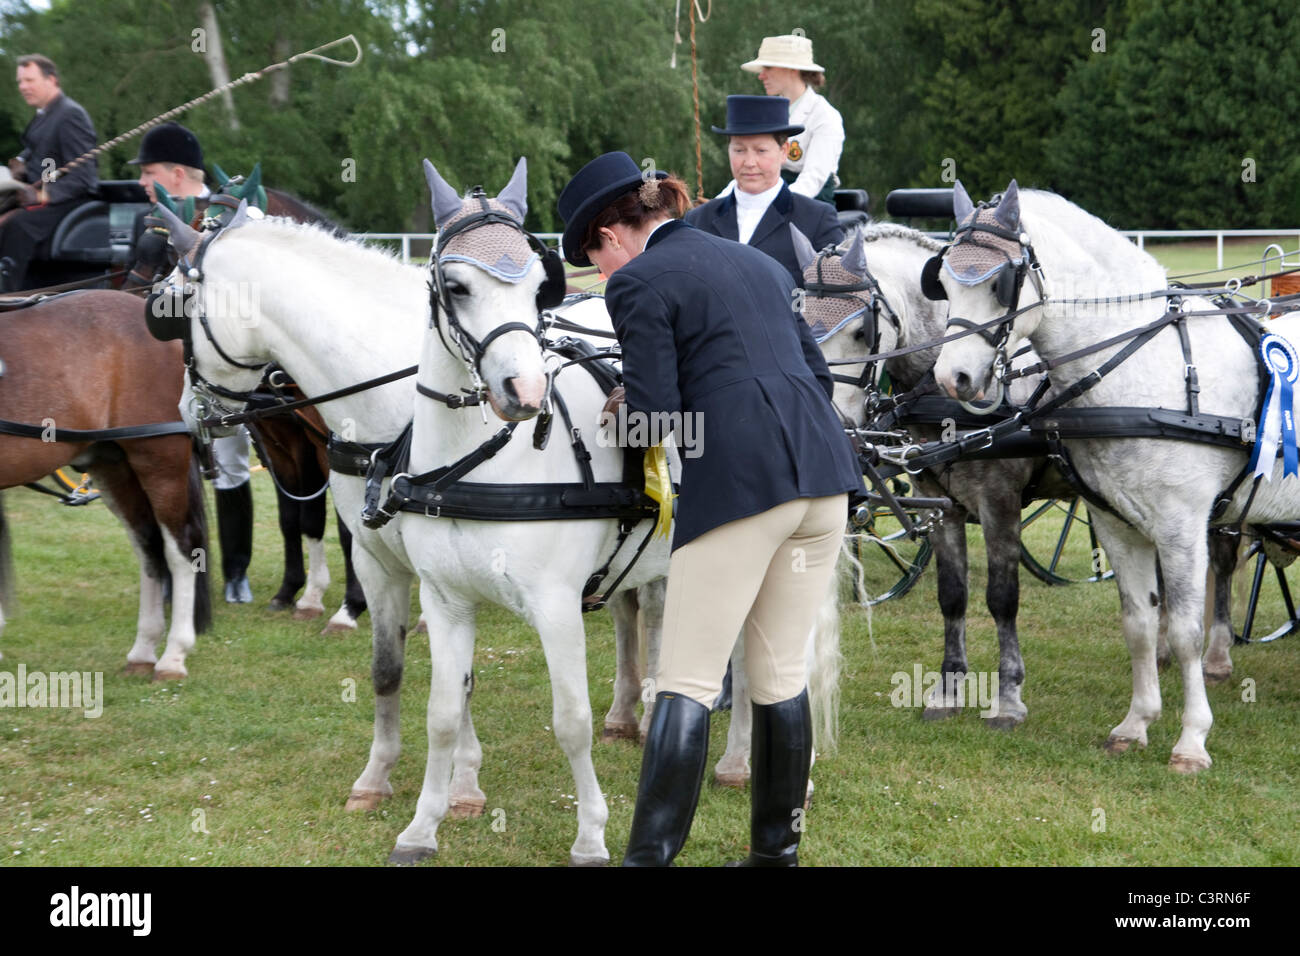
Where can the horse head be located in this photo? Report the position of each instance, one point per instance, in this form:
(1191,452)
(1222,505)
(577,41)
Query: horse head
(491,278)
(857,310)
(982,275)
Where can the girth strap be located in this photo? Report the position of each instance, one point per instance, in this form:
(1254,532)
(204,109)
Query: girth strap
(123,433)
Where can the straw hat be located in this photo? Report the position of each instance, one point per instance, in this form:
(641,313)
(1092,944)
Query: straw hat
(789,52)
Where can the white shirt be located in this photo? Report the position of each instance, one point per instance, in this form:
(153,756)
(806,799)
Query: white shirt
(814,153)
(750,208)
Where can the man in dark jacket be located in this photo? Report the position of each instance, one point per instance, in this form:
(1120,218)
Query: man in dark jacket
(761,209)
(59,133)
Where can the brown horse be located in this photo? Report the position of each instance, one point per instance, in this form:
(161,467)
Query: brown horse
(85,362)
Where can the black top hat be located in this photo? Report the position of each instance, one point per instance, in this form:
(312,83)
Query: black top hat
(594,187)
(752,115)
(170,143)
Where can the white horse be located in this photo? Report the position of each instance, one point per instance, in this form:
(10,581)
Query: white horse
(1161,490)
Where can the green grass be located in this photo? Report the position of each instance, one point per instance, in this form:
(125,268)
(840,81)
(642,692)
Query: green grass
(261,741)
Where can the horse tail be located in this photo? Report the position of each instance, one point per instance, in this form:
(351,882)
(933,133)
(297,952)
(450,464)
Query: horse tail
(824,670)
(196,532)
(6,560)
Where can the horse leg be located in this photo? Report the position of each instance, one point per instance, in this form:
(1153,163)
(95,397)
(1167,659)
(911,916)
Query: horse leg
(620,721)
(466,800)
(949,542)
(1183,561)
(451,649)
(390,594)
(1223,565)
(182,518)
(732,769)
(1001,522)
(1134,559)
(558,619)
(127,501)
(6,565)
(312,518)
(651,599)
(291,531)
(354,599)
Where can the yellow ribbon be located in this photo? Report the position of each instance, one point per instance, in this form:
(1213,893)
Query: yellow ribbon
(659,487)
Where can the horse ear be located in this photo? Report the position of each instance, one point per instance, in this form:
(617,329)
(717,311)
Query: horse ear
(253,183)
(187,210)
(446,201)
(804,253)
(240,217)
(855,260)
(219,175)
(515,196)
(164,197)
(1007,212)
(183,238)
(961,202)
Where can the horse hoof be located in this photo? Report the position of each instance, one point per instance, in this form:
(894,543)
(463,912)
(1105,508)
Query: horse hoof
(736,781)
(279,604)
(420,627)
(466,808)
(1179,763)
(1119,745)
(619,732)
(307,613)
(1214,677)
(169,674)
(334,627)
(576,860)
(138,669)
(939,713)
(1004,721)
(410,855)
(365,800)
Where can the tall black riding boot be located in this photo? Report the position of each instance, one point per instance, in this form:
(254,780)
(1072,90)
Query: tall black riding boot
(781,751)
(676,751)
(235,528)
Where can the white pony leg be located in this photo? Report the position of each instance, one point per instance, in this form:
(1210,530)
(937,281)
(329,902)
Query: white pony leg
(732,769)
(149,626)
(651,598)
(451,650)
(342,621)
(1183,564)
(312,603)
(1218,657)
(1133,558)
(388,594)
(620,722)
(558,620)
(466,800)
(180,639)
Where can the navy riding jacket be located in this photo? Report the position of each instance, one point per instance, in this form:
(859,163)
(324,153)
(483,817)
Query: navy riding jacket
(815,219)
(708,330)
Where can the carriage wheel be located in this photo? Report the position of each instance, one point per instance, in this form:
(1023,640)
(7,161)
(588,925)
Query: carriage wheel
(1058,544)
(891,561)
(1267,569)
(75,484)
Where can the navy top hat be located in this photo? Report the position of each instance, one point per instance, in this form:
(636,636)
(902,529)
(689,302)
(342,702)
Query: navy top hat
(170,143)
(594,187)
(752,115)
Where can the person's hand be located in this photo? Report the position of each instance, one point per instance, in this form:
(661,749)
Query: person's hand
(29,195)
(612,403)
(18,168)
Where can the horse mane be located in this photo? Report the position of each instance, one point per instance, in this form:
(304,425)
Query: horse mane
(324,245)
(873,232)
(303,211)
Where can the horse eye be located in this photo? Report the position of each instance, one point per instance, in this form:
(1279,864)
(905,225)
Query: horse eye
(455,288)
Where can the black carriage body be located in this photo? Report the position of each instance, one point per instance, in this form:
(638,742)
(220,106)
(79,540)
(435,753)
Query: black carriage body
(94,239)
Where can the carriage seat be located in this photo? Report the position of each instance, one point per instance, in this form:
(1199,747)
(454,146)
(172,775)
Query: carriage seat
(100,229)
(852,206)
(919,203)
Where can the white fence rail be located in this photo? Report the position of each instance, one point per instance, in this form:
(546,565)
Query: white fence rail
(1140,236)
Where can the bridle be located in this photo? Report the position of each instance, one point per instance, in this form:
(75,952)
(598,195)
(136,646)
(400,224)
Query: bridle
(1008,280)
(471,350)
(873,304)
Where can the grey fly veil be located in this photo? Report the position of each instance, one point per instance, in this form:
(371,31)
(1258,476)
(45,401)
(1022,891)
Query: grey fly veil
(987,245)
